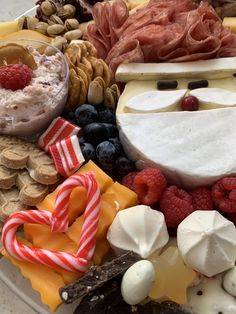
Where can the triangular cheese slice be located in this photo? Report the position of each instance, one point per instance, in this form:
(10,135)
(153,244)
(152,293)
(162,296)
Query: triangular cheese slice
(192,148)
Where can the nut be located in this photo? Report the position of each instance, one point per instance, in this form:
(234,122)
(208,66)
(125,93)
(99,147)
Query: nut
(31,22)
(41,27)
(22,23)
(54,30)
(75,34)
(48,7)
(59,42)
(71,24)
(67,11)
(54,19)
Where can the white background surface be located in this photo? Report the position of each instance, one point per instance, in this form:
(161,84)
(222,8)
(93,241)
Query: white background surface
(9,303)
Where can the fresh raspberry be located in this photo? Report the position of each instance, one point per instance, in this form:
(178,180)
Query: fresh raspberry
(15,76)
(202,199)
(176,204)
(128,180)
(224,194)
(149,184)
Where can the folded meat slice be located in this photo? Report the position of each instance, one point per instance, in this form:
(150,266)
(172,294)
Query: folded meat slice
(164,30)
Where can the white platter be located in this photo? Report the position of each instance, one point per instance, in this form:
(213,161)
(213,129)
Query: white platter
(11,276)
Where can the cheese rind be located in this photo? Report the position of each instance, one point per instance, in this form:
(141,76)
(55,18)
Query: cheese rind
(188,146)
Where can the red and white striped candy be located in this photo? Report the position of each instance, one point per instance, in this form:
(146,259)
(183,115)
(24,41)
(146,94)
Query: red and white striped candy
(59,221)
(58,130)
(67,155)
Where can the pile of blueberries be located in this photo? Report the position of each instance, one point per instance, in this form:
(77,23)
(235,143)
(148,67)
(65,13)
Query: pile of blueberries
(99,140)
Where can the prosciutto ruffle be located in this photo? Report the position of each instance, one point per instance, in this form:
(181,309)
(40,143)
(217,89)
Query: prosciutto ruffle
(164,30)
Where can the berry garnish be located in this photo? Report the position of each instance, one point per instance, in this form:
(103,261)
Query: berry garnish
(202,199)
(224,194)
(106,152)
(88,151)
(149,184)
(86,114)
(106,115)
(123,166)
(190,103)
(128,180)
(15,76)
(95,133)
(176,204)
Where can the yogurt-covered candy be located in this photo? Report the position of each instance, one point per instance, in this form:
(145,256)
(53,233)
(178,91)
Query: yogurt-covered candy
(207,242)
(229,281)
(139,229)
(137,282)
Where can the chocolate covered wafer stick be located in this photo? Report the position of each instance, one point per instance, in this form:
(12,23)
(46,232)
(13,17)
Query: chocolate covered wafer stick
(97,276)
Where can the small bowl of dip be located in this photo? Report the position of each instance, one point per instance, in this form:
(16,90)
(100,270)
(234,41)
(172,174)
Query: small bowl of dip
(27,112)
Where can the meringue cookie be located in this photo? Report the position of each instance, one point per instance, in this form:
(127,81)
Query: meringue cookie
(137,282)
(207,242)
(229,281)
(139,229)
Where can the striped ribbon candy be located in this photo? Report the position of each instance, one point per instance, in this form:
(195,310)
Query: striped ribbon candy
(67,155)
(59,221)
(58,130)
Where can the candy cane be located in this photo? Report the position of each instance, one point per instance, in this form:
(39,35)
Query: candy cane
(59,221)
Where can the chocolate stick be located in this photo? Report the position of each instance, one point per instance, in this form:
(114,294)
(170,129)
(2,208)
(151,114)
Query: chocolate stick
(97,276)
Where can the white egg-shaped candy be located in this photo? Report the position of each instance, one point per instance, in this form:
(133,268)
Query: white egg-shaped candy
(229,281)
(137,282)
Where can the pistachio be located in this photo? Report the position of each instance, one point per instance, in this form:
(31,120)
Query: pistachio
(48,7)
(71,24)
(54,19)
(41,27)
(75,34)
(31,22)
(54,30)
(67,11)
(22,23)
(58,42)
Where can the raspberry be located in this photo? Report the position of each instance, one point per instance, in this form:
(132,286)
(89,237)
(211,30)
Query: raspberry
(15,76)
(128,180)
(176,204)
(224,194)
(202,199)
(149,184)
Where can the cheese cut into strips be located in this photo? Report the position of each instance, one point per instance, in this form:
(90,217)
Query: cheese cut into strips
(204,69)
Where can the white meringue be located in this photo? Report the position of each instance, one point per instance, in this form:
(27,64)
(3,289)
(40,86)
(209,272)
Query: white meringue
(207,242)
(139,229)
(137,282)
(229,281)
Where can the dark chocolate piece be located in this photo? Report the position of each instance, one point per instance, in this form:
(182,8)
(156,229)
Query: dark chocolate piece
(97,276)
(162,85)
(197,84)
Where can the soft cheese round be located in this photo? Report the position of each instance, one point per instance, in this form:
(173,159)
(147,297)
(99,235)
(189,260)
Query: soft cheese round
(192,148)
(139,229)
(207,242)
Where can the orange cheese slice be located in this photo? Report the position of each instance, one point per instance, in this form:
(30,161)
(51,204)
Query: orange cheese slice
(43,279)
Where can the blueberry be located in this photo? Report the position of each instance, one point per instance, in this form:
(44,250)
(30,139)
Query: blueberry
(95,133)
(81,140)
(116,142)
(123,166)
(86,114)
(112,129)
(88,151)
(106,115)
(69,116)
(106,152)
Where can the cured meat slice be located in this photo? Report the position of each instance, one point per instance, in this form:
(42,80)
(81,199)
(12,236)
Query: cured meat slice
(164,30)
